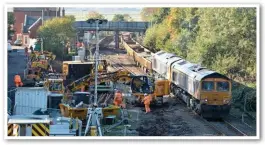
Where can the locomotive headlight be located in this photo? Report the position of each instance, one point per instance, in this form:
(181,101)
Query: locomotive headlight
(226,101)
(205,100)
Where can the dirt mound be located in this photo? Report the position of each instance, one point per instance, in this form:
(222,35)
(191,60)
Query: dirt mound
(161,123)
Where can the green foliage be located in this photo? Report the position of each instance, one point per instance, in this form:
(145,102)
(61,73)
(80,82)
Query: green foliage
(147,13)
(122,17)
(10,22)
(56,34)
(160,15)
(221,39)
(218,38)
(150,38)
(118,17)
(127,17)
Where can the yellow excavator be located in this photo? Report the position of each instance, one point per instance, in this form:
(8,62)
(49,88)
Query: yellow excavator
(141,85)
(120,76)
(54,83)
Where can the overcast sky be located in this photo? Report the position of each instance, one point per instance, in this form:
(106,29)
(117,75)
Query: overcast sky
(108,13)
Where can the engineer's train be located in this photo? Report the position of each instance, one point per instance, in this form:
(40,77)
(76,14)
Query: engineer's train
(205,91)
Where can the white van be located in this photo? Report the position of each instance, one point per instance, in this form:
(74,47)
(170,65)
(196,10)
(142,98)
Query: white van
(9,47)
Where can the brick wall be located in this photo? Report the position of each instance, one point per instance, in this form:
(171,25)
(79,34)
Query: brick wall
(20,16)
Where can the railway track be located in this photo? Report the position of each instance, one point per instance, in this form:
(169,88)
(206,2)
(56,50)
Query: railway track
(221,127)
(224,128)
(118,63)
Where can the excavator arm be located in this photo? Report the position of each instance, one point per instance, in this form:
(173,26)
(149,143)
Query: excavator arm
(121,76)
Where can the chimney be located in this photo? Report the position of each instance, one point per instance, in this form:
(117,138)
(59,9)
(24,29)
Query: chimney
(63,12)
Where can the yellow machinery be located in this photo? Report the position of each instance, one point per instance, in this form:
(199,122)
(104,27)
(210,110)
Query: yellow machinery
(40,64)
(81,113)
(49,55)
(54,83)
(37,55)
(33,74)
(121,76)
(39,60)
(141,85)
(74,70)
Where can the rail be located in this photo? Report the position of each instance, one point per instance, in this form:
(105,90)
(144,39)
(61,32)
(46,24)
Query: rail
(234,128)
(218,126)
(121,66)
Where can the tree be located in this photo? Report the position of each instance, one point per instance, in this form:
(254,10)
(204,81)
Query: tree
(122,17)
(218,38)
(57,33)
(127,17)
(221,39)
(118,17)
(11,21)
(160,15)
(147,13)
(95,15)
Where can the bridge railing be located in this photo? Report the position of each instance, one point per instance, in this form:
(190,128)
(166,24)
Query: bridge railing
(113,25)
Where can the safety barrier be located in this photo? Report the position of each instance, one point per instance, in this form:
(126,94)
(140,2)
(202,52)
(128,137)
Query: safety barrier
(40,129)
(13,130)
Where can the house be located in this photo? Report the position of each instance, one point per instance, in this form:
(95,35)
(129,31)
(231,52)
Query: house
(29,19)
(30,27)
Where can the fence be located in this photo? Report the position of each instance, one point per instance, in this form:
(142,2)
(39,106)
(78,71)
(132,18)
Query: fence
(11,98)
(52,112)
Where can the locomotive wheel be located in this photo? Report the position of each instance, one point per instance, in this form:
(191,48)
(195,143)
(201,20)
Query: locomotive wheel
(198,109)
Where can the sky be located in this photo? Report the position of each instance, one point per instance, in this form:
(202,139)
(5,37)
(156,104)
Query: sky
(80,13)
(108,13)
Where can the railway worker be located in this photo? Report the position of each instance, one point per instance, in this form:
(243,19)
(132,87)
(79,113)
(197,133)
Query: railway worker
(83,88)
(31,49)
(118,99)
(17,80)
(147,100)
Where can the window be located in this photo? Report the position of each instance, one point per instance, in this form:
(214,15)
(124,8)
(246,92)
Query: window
(222,86)
(56,86)
(183,62)
(155,65)
(174,76)
(26,40)
(19,36)
(160,53)
(207,85)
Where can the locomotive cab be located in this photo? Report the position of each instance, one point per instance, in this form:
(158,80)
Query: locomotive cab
(215,97)
(142,85)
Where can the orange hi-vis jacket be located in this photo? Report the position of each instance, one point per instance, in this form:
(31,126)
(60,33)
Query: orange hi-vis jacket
(147,100)
(17,79)
(118,99)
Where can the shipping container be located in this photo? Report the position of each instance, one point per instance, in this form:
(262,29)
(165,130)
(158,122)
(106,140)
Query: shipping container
(30,99)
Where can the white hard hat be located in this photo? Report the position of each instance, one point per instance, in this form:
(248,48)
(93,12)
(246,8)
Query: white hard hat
(145,94)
